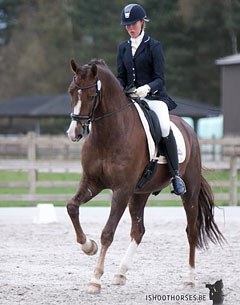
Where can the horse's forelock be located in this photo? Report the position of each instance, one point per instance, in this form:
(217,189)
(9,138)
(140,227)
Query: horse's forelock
(84,70)
(104,73)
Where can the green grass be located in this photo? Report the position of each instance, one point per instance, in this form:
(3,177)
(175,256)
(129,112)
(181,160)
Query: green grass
(219,176)
(58,177)
(9,176)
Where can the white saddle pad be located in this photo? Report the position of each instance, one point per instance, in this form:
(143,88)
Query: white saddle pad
(151,145)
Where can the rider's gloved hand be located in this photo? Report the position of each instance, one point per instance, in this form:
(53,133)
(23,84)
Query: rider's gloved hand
(142,91)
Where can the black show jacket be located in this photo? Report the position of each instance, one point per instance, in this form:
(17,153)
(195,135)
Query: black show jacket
(145,67)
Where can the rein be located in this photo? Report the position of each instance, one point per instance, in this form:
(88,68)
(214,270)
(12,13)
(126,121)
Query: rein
(78,118)
(106,115)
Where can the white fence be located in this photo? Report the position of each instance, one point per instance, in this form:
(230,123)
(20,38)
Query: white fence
(58,154)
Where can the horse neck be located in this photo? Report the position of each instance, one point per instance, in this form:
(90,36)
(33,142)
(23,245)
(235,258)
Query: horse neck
(113,117)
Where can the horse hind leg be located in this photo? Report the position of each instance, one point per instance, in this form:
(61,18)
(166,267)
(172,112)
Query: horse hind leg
(201,226)
(190,202)
(136,209)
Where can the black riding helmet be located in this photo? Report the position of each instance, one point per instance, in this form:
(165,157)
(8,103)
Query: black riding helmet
(132,13)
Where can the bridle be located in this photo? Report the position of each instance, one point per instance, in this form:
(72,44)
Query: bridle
(97,97)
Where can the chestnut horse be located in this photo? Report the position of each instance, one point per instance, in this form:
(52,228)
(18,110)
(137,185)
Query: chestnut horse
(114,156)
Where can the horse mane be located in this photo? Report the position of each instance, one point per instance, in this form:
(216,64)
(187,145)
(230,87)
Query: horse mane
(98,61)
(108,73)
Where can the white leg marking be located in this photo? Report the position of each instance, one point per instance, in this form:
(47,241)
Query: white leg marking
(72,128)
(95,281)
(128,258)
(87,245)
(191,277)
(120,277)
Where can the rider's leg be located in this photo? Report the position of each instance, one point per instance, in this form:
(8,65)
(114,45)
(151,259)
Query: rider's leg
(170,146)
(172,158)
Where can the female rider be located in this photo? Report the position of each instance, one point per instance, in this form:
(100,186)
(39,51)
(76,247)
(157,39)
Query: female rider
(140,64)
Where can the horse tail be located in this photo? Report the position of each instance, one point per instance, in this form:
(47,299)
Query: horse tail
(208,229)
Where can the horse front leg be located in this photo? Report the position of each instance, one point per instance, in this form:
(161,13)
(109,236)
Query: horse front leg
(136,209)
(118,206)
(83,195)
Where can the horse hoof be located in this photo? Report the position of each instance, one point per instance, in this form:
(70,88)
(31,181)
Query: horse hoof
(190,284)
(119,279)
(93,288)
(90,247)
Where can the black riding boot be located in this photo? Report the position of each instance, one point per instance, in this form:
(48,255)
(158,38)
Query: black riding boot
(170,147)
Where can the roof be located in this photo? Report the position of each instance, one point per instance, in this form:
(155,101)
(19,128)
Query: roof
(36,106)
(59,106)
(194,109)
(229,60)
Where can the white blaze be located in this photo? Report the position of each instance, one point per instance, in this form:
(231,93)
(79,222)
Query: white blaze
(72,128)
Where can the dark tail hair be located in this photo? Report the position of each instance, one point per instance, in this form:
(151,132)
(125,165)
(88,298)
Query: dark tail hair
(208,229)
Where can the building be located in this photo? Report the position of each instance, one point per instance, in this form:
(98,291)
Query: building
(51,113)
(230,93)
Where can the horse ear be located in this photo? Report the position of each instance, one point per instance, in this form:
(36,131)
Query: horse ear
(94,70)
(74,66)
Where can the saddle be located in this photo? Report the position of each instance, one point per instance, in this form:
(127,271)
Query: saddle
(155,131)
(150,115)
(152,120)
(156,134)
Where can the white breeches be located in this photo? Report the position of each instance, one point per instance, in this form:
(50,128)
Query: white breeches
(161,109)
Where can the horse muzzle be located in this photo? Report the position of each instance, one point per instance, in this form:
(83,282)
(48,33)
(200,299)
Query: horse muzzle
(75,132)
(75,138)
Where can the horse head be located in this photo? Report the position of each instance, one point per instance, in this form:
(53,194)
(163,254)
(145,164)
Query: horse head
(85,94)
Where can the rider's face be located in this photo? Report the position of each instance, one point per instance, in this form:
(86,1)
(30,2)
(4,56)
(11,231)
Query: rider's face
(135,29)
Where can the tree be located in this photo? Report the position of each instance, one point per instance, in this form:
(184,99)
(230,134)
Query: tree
(48,34)
(7,19)
(208,40)
(42,36)
(36,59)
(96,29)
(167,25)
(194,35)
(232,21)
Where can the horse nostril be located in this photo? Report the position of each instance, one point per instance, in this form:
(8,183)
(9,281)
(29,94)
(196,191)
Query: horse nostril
(78,137)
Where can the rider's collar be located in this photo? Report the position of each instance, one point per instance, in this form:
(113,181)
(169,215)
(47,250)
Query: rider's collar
(138,40)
